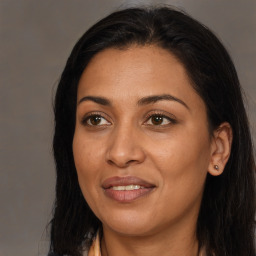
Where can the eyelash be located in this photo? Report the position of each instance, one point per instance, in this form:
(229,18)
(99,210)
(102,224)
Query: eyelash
(148,117)
(171,120)
(89,116)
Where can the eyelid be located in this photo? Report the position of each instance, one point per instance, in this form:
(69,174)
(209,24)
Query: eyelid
(172,118)
(94,113)
(162,113)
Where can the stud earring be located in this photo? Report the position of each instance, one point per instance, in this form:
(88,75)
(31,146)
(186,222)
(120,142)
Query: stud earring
(216,167)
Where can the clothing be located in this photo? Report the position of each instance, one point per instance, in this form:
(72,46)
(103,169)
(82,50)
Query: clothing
(95,248)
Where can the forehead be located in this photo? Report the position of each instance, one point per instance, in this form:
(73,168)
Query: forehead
(136,72)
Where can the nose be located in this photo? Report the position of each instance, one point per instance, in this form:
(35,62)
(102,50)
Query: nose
(125,148)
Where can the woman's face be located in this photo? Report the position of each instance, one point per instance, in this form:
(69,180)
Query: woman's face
(141,144)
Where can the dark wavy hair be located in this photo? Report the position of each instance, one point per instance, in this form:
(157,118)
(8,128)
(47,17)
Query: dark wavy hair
(226,221)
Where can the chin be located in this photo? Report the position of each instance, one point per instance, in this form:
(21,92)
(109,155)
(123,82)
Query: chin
(129,224)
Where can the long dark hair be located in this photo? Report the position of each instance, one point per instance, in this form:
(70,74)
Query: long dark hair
(225,224)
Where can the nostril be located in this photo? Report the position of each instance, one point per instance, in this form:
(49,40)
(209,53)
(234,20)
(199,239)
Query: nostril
(131,161)
(121,164)
(125,154)
(110,162)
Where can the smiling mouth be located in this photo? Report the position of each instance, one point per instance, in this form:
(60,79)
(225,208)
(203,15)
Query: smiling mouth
(126,189)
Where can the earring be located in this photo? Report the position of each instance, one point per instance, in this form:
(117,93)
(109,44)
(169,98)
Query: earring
(216,167)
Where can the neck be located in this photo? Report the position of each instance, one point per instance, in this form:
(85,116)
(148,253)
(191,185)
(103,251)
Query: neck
(173,242)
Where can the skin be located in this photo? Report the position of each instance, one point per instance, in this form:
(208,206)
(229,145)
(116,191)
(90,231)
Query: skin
(174,155)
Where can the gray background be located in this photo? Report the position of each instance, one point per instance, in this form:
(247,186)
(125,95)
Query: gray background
(36,39)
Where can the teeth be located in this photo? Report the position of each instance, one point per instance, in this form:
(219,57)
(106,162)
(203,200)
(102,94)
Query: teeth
(130,187)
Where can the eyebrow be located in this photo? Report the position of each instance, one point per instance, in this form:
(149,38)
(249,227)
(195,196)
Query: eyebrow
(156,98)
(100,100)
(143,101)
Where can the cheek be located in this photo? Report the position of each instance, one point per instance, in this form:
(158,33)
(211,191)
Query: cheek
(183,164)
(181,150)
(86,153)
(87,157)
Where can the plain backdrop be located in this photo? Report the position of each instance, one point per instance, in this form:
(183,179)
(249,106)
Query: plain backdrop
(36,39)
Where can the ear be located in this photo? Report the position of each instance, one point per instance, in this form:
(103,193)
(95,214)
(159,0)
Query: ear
(220,149)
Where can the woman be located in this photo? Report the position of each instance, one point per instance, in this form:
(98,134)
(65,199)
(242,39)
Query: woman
(152,146)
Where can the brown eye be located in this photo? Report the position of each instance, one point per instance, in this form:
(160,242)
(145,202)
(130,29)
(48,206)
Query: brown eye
(157,120)
(95,120)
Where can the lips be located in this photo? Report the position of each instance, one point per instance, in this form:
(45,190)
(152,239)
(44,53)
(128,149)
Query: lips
(126,189)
